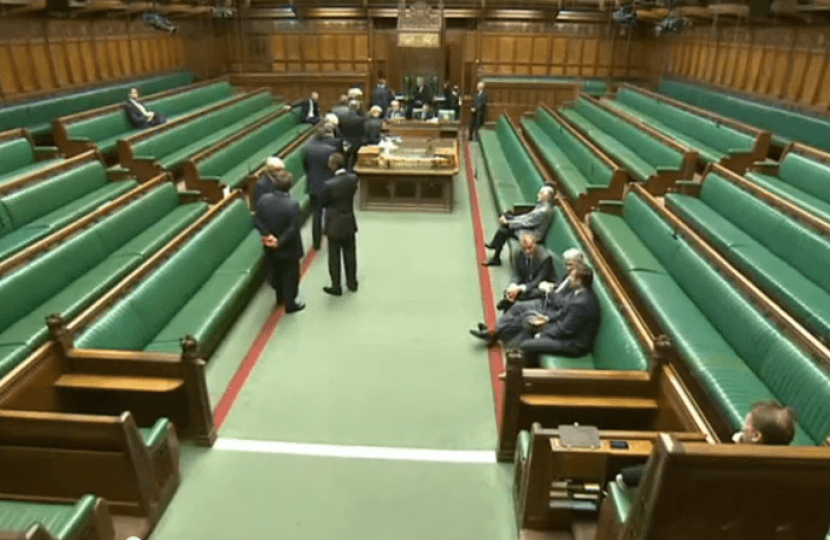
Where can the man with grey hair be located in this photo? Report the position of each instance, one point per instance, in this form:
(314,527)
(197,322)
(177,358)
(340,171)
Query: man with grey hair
(395,112)
(537,222)
(532,266)
(372,126)
(274,167)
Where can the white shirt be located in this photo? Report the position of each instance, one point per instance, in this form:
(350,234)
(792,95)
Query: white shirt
(140,107)
(310,108)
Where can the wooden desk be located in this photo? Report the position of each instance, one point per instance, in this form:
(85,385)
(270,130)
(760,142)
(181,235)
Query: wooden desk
(416,176)
(419,128)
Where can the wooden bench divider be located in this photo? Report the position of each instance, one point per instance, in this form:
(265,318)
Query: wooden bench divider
(71,147)
(48,172)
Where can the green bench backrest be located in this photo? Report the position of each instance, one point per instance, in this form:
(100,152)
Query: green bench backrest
(596,171)
(806,251)
(222,161)
(644,145)
(615,347)
(294,163)
(61,520)
(808,175)
(32,202)
(14,116)
(140,316)
(787,371)
(15,154)
(720,137)
(523,168)
(42,278)
(789,125)
(186,134)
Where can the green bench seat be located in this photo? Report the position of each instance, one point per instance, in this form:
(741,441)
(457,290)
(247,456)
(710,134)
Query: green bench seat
(786,125)
(18,158)
(640,153)
(105,130)
(155,434)
(70,277)
(60,520)
(734,351)
(295,165)
(38,115)
(615,347)
(197,291)
(711,140)
(43,208)
(577,167)
(782,256)
(232,165)
(800,180)
(622,500)
(172,147)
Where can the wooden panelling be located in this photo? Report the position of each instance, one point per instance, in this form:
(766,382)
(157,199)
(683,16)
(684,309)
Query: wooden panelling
(787,64)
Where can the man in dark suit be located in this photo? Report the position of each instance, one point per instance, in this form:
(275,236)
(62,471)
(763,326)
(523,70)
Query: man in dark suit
(537,221)
(278,221)
(274,166)
(139,115)
(309,109)
(532,266)
(454,101)
(353,130)
(372,126)
(422,94)
(381,96)
(341,225)
(427,113)
(395,112)
(478,110)
(316,163)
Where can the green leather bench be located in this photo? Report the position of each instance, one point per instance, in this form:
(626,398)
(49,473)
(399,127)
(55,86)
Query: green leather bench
(62,521)
(800,180)
(786,125)
(578,169)
(294,164)
(171,148)
(712,141)
(38,115)
(513,176)
(72,276)
(616,347)
(641,154)
(104,131)
(733,350)
(41,208)
(19,157)
(785,258)
(197,291)
(232,165)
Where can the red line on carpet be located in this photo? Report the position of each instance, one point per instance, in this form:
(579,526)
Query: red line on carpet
(223,408)
(487,296)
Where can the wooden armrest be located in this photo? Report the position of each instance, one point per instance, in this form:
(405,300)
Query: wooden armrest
(86,381)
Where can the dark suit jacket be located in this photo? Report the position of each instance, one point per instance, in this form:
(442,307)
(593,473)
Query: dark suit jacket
(304,106)
(338,200)
(480,104)
(390,114)
(352,128)
(423,95)
(316,163)
(137,119)
(278,214)
(371,130)
(576,322)
(452,101)
(264,185)
(382,97)
(534,271)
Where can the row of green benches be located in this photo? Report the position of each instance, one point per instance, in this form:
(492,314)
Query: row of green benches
(77,133)
(19,156)
(38,115)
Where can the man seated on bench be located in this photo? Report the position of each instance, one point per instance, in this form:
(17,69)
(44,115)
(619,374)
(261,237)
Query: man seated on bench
(537,222)
(531,266)
(768,422)
(138,114)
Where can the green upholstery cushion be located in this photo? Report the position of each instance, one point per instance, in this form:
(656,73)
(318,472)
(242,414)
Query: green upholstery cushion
(549,361)
(26,170)
(11,356)
(157,433)
(506,191)
(571,178)
(15,154)
(622,499)
(523,444)
(808,175)
(61,520)
(785,190)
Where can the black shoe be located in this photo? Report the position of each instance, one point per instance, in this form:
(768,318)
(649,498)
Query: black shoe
(485,335)
(333,291)
(352,288)
(316,247)
(504,304)
(298,306)
(482,327)
(489,245)
(492,262)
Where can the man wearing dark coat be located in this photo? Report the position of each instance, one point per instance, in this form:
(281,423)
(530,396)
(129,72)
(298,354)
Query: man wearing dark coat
(139,115)
(531,266)
(316,163)
(309,109)
(479,110)
(274,166)
(381,96)
(278,221)
(353,129)
(340,225)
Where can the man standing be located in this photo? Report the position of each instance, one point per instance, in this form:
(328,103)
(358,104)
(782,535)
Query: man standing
(381,96)
(342,107)
(278,221)
(353,130)
(479,110)
(532,266)
(372,126)
(138,114)
(274,167)
(537,221)
(341,225)
(316,163)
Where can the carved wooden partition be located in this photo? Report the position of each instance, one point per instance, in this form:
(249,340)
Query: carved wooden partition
(694,490)
(785,64)
(294,86)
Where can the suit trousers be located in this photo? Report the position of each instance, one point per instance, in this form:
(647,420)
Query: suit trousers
(343,247)
(284,277)
(499,239)
(533,347)
(512,322)
(316,221)
(158,119)
(475,123)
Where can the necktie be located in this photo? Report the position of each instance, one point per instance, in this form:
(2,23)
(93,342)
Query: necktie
(310,108)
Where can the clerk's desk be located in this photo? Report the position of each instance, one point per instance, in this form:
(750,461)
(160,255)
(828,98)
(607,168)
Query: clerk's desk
(421,128)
